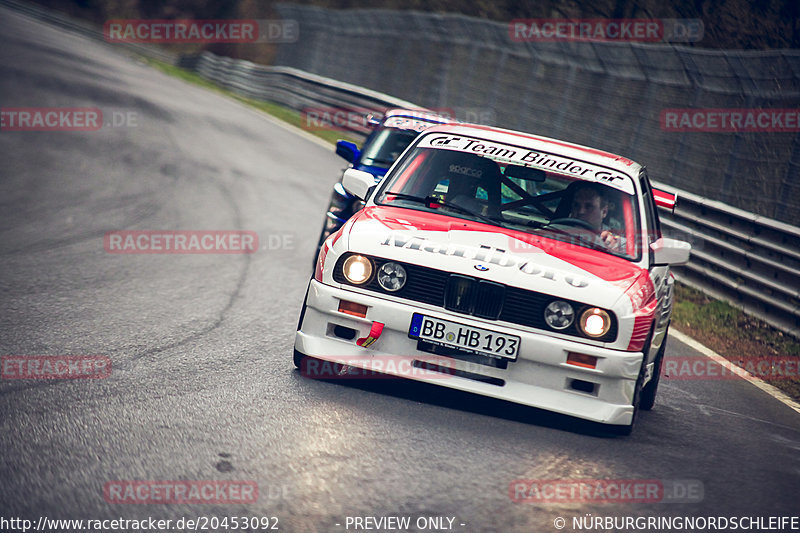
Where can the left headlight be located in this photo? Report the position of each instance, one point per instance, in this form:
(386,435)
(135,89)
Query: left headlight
(392,276)
(595,322)
(357,269)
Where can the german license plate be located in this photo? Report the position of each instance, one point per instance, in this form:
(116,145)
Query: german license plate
(467,338)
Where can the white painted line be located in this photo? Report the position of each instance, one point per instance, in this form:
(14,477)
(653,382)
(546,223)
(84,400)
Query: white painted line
(745,375)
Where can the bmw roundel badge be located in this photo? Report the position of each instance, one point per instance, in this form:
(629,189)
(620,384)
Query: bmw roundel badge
(482,268)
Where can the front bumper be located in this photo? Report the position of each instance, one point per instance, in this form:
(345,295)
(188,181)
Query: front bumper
(540,377)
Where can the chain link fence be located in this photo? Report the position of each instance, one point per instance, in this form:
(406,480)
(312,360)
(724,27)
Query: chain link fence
(602,94)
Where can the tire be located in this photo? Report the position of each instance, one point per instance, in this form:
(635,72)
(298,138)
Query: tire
(626,430)
(303,310)
(648,397)
(297,359)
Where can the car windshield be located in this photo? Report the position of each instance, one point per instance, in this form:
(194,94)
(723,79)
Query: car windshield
(511,194)
(385,146)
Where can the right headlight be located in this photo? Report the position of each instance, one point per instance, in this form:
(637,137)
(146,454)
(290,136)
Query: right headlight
(357,269)
(595,322)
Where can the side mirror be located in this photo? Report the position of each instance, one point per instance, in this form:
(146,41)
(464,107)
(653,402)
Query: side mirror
(664,199)
(347,150)
(358,182)
(670,251)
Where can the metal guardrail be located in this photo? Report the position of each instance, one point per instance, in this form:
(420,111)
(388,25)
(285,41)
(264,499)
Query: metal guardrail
(293,88)
(749,260)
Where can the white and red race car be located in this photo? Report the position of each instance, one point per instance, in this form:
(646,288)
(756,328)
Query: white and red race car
(504,264)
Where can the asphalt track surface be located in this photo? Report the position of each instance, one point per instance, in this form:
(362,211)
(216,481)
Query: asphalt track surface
(202,386)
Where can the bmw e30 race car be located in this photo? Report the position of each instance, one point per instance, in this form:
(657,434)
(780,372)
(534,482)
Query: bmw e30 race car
(503,264)
(391,135)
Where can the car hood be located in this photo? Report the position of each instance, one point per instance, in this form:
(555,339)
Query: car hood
(489,252)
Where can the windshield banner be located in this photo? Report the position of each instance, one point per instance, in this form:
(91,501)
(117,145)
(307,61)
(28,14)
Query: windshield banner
(531,158)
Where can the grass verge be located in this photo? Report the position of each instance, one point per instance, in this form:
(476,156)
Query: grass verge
(735,335)
(290,116)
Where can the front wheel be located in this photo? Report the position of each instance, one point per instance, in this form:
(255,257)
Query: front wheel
(648,398)
(637,399)
(297,359)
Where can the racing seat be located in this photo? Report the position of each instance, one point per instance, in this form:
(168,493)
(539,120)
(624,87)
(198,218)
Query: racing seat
(474,183)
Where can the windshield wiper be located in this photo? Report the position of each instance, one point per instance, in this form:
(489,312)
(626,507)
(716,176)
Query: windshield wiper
(428,200)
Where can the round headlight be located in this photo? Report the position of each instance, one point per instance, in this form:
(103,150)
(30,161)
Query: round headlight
(392,276)
(559,315)
(595,322)
(357,269)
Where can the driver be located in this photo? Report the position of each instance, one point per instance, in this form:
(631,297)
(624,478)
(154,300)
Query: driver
(591,205)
